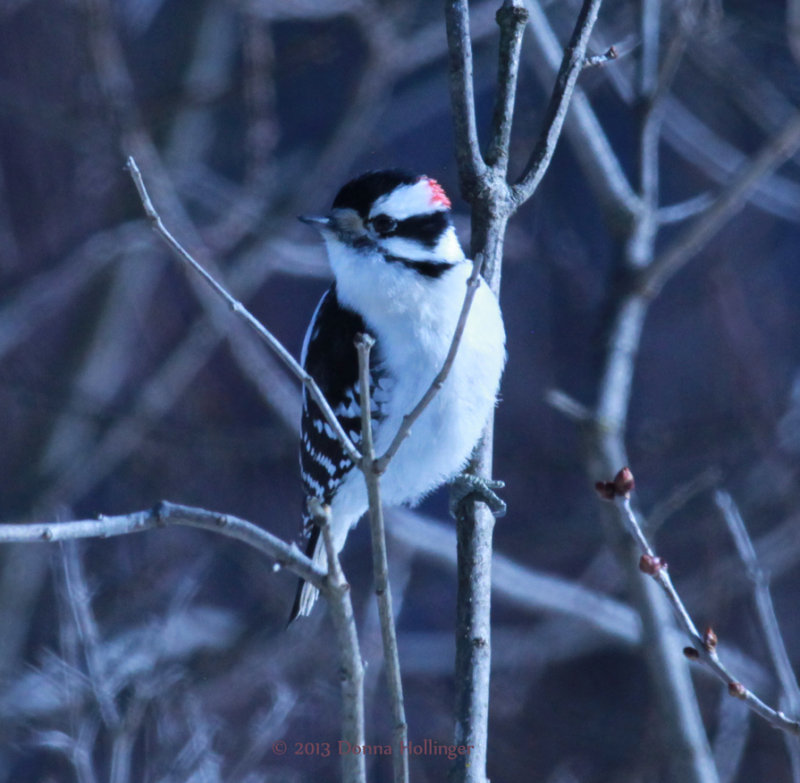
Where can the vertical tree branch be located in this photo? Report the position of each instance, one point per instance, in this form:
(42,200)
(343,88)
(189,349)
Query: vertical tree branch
(493,201)
(474,529)
(380,567)
(462,94)
(511,18)
(338,593)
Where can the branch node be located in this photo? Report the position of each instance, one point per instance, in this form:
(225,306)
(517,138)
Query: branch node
(651,565)
(737,690)
(160,513)
(601,59)
(511,12)
(620,487)
(710,639)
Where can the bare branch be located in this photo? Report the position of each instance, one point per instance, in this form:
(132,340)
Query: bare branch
(165,514)
(597,60)
(80,604)
(766,610)
(462,96)
(766,614)
(571,66)
(243,313)
(380,567)
(589,141)
(703,647)
(730,201)
(676,213)
(568,406)
(694,141)
(512,18)
(734,722)
(681,495)
(48,293)
(492,204)
(125,738)
(353,766)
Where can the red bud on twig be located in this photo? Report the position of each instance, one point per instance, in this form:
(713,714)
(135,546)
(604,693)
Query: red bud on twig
(605,489)
(620,487)
(648,564)
(624,483)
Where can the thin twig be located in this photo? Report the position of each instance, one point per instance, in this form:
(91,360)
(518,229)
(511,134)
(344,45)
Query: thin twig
(589,141)
(331,584)
(80,605)
(596,60)
(704,646)
(125,739)
(571,66)
(768,620)
(568,406)
(734,722)
(380,567)
(729,201)
(240,310)
(164,514)
(681,495)
(676,213)
(764,605)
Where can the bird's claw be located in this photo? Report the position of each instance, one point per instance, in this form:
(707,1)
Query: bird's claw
(465,485)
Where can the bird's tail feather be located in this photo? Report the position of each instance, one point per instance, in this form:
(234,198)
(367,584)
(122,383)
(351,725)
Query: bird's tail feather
(306,595)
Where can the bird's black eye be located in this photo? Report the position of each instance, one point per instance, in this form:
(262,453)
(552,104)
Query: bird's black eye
(383,225)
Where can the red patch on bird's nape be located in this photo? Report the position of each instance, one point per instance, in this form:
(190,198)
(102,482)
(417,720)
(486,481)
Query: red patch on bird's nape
(438,196)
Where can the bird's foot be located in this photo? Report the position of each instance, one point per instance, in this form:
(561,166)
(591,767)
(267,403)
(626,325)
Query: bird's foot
(465,485)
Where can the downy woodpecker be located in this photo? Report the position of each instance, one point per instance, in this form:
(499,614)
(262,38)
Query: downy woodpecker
(400,275)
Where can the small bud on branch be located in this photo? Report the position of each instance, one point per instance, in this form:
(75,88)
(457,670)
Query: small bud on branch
(737,689)
(601,59)
(648,564)
(620,487)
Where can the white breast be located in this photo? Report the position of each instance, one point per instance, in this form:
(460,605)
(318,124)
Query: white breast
(414,318)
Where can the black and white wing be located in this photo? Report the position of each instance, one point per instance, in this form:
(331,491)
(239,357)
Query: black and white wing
(329,356)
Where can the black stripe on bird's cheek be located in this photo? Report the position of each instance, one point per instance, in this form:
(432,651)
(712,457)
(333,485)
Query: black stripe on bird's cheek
(426,229)
(432,269)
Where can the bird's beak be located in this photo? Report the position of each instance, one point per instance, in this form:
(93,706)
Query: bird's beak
(319,222)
